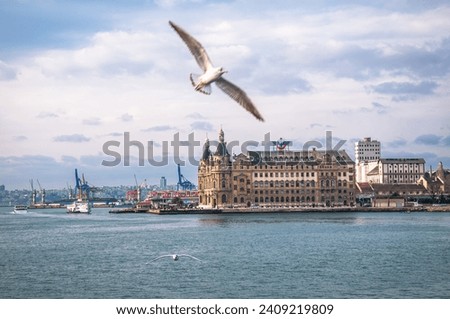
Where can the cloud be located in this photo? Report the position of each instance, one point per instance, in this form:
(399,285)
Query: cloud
(20,138)
(202,126)
(159,128)
(446,140)
(405,90)
(428,139)
(74,138)
(284,83)
(44,115)
(126,117)
(112,53)
(195,115)
(396,143)
(7,73)
(376,107)
(115,134)
(69,159)
(94,121)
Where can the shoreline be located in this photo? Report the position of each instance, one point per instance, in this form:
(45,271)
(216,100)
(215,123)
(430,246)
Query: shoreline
(445,208)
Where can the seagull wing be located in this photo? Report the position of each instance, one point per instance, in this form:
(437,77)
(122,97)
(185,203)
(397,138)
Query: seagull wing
(185,255)
(163,256)
(195,47)
(239,96)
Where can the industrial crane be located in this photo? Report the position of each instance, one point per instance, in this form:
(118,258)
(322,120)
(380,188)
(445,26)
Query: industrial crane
(138,190)
(33,193)
(42,191)
(183,182)
(82,188)
(70,191)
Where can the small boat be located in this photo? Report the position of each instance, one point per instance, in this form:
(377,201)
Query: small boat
(79,207)
(20,209)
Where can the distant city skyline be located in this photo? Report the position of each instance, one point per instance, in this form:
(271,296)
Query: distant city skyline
(77,74)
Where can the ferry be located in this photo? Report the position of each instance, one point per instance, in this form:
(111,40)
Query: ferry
(79,207)
(20,209)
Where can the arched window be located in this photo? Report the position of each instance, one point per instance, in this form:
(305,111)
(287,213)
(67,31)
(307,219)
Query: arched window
(224,199)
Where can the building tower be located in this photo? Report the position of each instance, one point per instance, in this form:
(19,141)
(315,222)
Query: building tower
(367,150)
(214,175)
(367,154)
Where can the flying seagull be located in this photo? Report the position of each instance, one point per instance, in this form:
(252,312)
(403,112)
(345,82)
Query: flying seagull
(202,83)
(175,257)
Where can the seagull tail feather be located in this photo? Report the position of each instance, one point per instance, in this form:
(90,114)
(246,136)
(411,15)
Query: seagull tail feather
(205,89)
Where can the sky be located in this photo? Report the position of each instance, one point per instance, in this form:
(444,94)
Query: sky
(82,82)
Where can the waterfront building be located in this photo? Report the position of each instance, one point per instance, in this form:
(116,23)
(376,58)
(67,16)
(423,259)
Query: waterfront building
(367,154)
(437,182)
(371,168)
(276,178)
(396,171)
(389,195)
(367,150)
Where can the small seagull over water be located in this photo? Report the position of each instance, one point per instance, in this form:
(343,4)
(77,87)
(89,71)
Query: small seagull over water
(175,257)
(202,83)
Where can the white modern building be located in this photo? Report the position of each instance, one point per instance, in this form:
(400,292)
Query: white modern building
(367,150)
(367,154)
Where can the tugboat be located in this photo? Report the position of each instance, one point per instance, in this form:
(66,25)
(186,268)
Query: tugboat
(20,209)
(79,207)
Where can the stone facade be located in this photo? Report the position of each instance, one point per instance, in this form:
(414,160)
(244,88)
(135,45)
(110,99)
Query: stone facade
(280,178)
(391,171)
(437,182)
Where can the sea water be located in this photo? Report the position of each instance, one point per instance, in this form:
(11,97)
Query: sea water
(51,254)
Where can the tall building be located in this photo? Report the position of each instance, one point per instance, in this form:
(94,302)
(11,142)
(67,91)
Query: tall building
(278,178)
(367,150)
(367,153)
(163,183)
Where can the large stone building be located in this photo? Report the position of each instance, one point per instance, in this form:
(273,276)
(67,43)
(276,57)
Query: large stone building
(278,178)
(371,168)
(395,170)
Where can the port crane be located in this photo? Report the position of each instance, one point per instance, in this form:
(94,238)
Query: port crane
(138,190)
(70,191)
(42,191)
(82,188)
(183,182)
(33,193)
